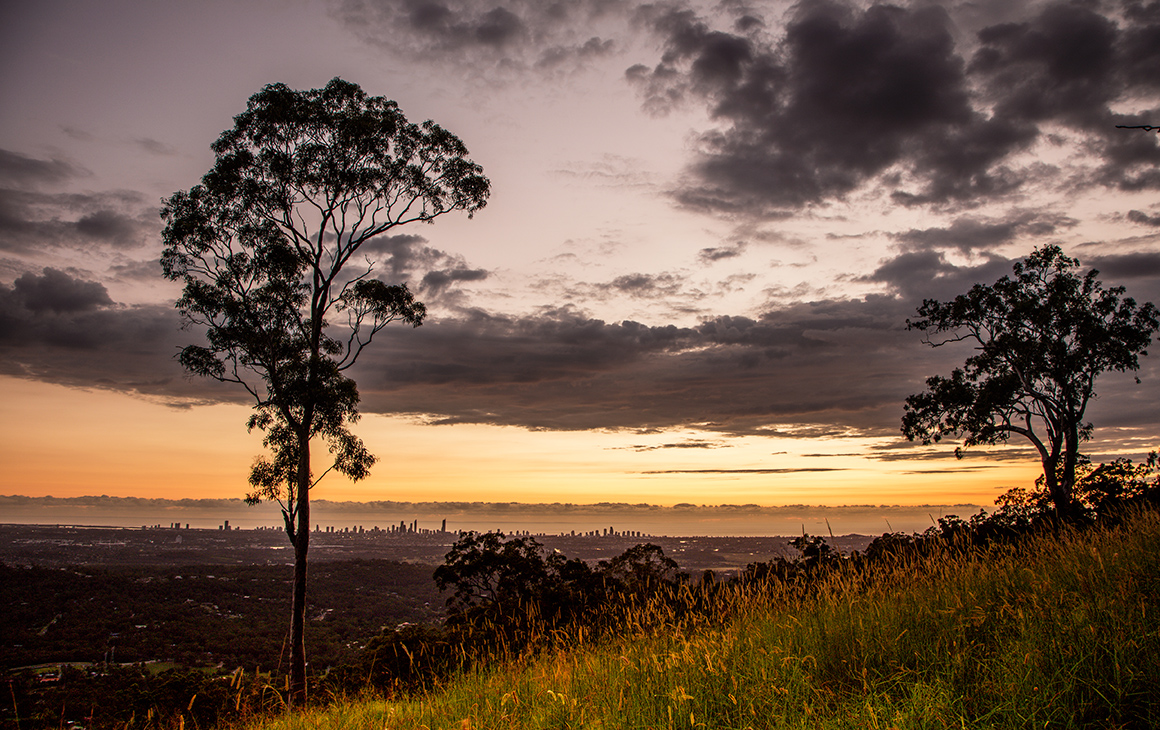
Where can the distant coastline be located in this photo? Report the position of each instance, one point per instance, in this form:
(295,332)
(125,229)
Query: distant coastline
(542,518)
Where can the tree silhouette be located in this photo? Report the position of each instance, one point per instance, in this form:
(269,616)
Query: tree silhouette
(265,247)
(488,567)
(1041,339)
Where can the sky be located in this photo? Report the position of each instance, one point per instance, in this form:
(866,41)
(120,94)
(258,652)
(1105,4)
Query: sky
(708,225)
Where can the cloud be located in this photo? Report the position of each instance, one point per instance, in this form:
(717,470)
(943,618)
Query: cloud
(1143,265)
(510,36)
(804,369)
(918,275)
(142,271)
(1139,216)
(927,104)
(57,291)
(970,234)
(844,96)
(848,97)
(58,328)
(562,370)
(429,271)
(686,444)
(610,170)
(31,220)
(436,282)
(646,286)
(18,169)
(154,147)
(717,253)
(743,471)
(1071,65)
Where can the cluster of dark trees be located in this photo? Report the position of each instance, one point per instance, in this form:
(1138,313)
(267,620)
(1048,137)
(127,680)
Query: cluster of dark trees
(510,596)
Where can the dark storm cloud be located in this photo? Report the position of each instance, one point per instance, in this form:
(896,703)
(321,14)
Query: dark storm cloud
(514,34)
(1139,216)
(929,104)
(57,291)
(18,169)
(843,97)
(919,275)
(107,225)
(846,97)
(968,234)
(822,363)
(1144,265)
(1070,65)
(61,329)
(836,367)
(31,220)
(808,369)
(438,281)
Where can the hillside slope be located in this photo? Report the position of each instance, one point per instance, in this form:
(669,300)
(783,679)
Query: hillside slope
(1058,632)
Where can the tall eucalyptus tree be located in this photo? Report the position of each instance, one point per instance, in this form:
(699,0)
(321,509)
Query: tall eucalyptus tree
(266,247)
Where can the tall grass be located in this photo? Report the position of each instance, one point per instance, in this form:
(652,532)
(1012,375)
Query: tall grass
(1057,631)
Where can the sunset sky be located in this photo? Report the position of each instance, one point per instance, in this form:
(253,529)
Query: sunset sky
(708,225)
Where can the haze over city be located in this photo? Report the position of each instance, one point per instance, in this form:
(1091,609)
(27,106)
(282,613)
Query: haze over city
(708,225)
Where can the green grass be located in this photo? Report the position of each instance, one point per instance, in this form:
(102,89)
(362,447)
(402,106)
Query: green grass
(1059,633)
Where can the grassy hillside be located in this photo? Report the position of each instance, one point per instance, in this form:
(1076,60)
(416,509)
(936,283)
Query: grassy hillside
(1057,632)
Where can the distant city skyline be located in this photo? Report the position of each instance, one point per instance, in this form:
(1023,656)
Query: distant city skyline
(709,224)
(714,520)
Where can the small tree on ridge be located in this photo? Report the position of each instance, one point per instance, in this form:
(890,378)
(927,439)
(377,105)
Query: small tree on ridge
(1041,339)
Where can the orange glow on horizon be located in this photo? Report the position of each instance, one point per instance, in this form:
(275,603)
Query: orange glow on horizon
(68,442)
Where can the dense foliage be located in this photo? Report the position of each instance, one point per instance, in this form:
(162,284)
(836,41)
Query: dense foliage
(1040,338)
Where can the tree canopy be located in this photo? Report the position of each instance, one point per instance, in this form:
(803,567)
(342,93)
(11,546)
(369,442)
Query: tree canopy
(1041,339)
(266,247)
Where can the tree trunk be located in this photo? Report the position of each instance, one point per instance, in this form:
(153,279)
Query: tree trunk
(298,601)
(1059,477)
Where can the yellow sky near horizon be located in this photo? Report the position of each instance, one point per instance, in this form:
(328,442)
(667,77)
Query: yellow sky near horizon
(68,442)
